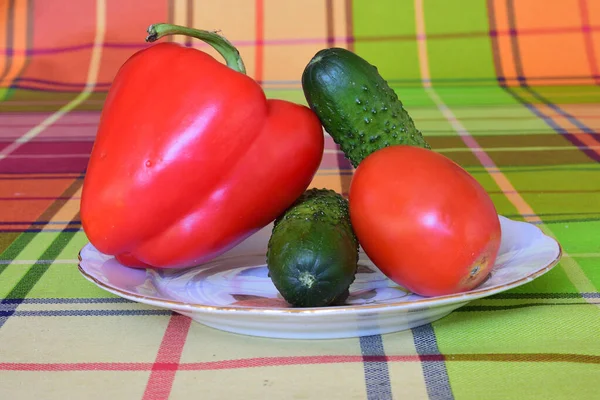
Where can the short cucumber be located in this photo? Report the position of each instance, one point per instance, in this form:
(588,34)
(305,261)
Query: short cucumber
(356,105)
(312,253)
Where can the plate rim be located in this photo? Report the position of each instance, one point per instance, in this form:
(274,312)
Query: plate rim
(359,308)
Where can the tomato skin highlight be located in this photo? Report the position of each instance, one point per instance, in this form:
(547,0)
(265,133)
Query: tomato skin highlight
(423,220)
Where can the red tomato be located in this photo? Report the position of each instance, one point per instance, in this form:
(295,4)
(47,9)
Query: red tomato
(423,220)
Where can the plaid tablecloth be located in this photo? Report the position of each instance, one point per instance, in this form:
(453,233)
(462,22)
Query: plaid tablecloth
(509,89)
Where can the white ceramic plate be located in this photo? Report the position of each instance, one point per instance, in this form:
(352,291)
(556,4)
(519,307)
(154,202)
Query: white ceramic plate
(233,292)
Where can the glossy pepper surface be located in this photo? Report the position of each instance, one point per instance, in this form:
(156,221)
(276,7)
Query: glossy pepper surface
(190,157)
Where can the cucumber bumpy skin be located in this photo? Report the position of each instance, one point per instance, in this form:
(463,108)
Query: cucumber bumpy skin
(312,253)
(356,105)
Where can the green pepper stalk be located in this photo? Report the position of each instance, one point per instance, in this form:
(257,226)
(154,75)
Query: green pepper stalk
(223,46)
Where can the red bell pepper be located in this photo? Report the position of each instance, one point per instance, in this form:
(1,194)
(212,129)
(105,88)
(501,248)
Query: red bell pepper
(190,157)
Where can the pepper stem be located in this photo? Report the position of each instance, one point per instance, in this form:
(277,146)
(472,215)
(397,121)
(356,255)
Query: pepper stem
(218,42)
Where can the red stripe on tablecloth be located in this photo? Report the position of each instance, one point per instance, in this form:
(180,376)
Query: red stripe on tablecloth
(337,160)
(189,21)
(171,367)
(349,26)
(589,40)
(544,191)
(200,366)
(307,40)
(36,198)
(428,119)
(329,22)
(167,360)
(86,124)
(259,46)
(283,361)
(64,367)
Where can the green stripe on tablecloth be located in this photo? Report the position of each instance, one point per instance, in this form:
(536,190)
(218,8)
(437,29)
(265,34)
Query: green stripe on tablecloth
(11,275)
(468,57)
(6,93)
(409,91)
(503,206)
(37,244)
(484,97)
(505,126)
(30,244)
(589,265)
(393,18)
(569,179)
(562,94)
(560,192)
(554,281)
(74,246)
(582,237)
(414,98)
(35,272)
(513,299)
(294,95)
(464,100)
(65,281)
(5,241)
(58,280)
(476,380)
(40,241)
(550,329)
(49,280)
(592,167)
(508,119)
(14,248)
(24,100)
(446,18)
(563,204)
(385,43)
